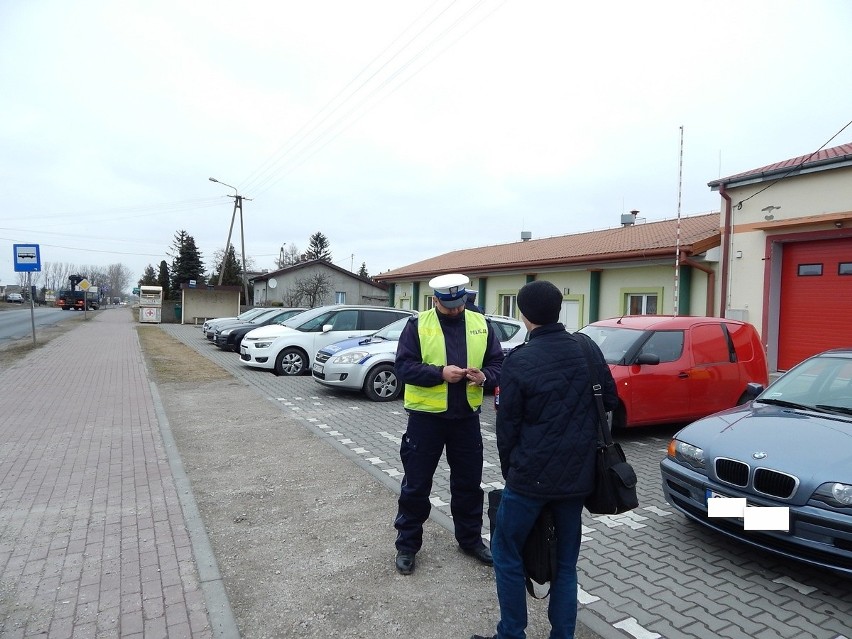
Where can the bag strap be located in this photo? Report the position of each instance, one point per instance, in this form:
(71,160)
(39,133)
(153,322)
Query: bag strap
(597,389)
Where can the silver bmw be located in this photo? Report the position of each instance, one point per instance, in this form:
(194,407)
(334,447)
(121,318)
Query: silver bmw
(775,473)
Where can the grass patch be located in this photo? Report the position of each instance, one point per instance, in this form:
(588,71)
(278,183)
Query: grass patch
(173,361)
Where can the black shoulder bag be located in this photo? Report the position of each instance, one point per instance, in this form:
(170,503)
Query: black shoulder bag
(615,480)
(539,552)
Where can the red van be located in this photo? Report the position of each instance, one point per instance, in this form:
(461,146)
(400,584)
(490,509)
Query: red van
(678,369)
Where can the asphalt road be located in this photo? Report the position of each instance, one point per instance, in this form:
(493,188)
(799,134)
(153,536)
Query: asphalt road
(16,320)
(647,574)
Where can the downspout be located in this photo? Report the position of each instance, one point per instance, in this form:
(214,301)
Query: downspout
(726,249)
(711,282)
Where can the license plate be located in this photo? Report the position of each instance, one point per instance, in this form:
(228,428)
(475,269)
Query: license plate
(318,368)
(243,350)
(751,516)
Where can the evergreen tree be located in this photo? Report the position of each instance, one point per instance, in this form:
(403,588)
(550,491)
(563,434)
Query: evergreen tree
(149,277)
(186,262)
(163,279)
(363,270)
(318,249)
(231,270)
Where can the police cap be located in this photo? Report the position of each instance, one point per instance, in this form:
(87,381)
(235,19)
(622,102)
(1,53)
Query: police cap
(450,289)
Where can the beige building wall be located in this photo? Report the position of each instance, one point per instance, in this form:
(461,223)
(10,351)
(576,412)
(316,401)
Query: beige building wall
(796,204)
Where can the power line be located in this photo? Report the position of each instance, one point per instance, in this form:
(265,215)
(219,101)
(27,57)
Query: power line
(795,168)
(323,138)
(253,182)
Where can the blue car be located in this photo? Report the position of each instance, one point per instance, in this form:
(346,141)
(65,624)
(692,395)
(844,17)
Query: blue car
(775,473)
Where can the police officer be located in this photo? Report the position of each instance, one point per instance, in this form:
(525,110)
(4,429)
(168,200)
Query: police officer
(445,357)
(470,302)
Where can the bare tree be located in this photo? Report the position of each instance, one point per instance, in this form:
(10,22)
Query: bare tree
(313,289)
(289,255)
(118,279)
(54,275)
(291,298)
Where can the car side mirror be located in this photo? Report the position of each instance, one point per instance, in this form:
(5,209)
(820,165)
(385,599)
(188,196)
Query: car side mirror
(648,358)
(753,389)
(327,327)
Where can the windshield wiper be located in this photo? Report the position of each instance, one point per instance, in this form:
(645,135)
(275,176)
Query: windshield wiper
(819,408)
(785,403)
(836,409)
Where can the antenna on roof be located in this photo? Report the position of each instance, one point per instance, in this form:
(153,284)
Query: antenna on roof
(677,241)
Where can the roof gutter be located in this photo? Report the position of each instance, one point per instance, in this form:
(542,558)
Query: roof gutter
(726,248)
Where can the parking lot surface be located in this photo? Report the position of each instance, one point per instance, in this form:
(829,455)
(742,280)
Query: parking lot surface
(646,574)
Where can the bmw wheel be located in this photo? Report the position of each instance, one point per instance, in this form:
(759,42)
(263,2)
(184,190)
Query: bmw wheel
(382,384)
(291,361)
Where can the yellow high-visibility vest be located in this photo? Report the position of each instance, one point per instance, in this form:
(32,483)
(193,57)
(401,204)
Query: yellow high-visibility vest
(433,350)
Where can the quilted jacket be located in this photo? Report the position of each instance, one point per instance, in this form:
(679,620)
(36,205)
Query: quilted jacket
(547,420)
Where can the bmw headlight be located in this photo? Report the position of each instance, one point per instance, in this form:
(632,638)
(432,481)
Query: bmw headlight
(835,494)
(263,344)
(686,454)
(350,358)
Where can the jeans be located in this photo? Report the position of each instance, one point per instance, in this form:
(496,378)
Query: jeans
(515,518)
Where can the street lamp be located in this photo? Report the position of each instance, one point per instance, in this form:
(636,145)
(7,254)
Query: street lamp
(238,204)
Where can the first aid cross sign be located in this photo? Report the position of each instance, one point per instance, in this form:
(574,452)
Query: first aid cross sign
(27,258)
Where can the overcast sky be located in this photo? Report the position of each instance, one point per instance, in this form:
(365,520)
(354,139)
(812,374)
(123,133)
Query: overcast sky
(400,129)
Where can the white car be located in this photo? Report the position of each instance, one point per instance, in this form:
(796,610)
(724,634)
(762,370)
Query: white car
(15,298)
(289,348)
(367,364)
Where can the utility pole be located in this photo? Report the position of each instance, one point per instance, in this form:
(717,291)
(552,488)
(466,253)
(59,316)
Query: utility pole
(238,205)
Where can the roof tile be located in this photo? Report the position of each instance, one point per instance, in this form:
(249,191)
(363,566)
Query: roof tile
(625,242)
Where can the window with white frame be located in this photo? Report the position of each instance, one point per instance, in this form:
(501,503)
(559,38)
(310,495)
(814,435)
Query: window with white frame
(340,297)
(509,305)
(641,303)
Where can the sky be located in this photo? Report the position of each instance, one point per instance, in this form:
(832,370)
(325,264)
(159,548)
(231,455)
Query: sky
(400,130)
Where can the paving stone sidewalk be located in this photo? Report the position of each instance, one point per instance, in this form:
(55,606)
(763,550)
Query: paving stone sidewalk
(93,540)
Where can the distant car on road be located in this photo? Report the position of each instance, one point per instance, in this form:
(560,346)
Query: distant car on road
(14,298)
(790,450)
(671,370)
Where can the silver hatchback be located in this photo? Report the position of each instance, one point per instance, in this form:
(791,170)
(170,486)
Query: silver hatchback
(367,363)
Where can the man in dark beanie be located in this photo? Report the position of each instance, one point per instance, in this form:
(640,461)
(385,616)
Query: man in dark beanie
(546,436)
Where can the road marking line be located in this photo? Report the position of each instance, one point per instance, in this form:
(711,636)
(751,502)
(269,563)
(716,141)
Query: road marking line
(631,626)
(795,585)
(585,598)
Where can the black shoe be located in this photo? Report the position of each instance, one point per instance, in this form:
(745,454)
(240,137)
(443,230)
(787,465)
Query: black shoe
(481,554)
(404,562)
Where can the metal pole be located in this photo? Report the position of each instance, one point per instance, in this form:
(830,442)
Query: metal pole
(228,242)
(32,304)
(238,204)
(243,248)
(677,241)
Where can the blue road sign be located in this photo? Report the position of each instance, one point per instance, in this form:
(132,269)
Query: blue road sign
(27,258)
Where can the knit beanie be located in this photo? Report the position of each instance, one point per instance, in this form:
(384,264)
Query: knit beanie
(540,302)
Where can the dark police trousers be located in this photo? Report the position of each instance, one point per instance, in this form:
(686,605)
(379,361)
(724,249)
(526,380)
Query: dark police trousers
(420,451)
